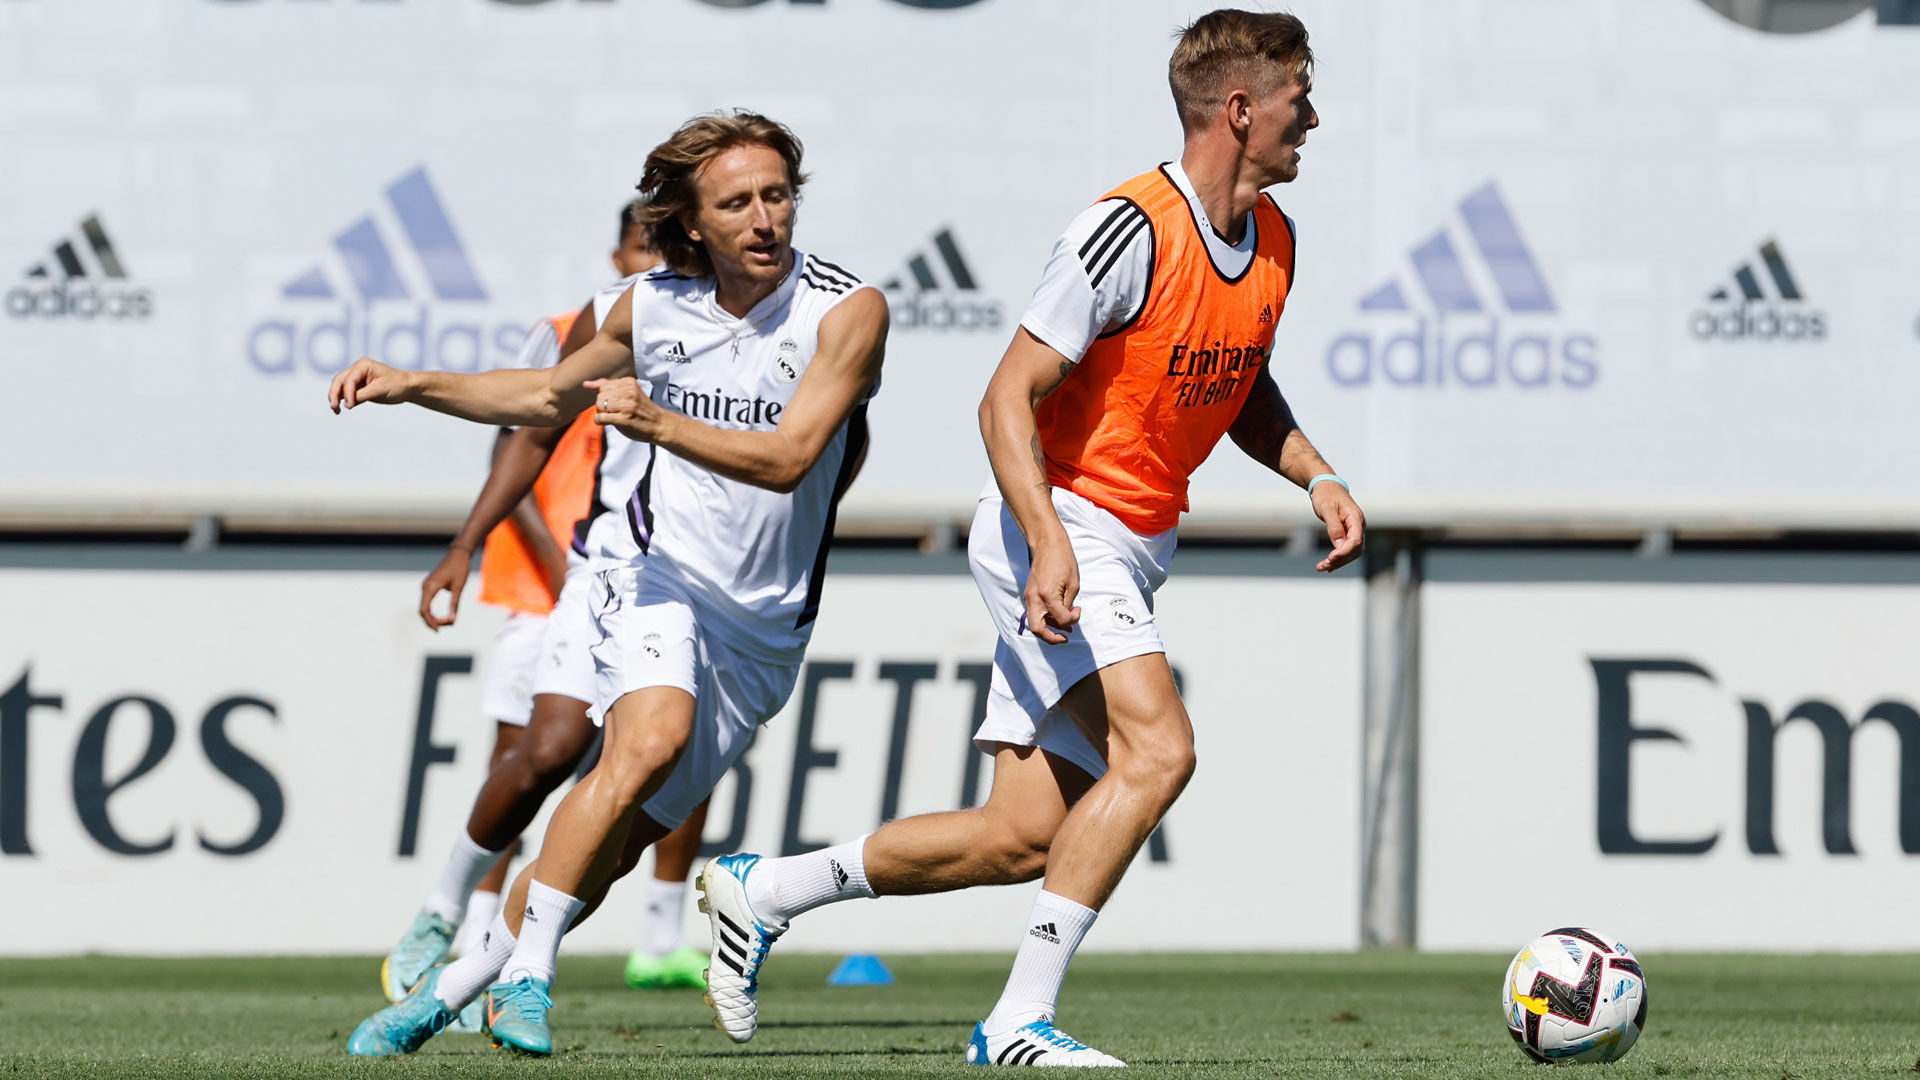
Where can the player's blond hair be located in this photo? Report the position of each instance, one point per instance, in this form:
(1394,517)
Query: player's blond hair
(1229,49)
(667,194)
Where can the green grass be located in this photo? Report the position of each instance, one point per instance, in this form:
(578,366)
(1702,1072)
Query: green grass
(1374,1015)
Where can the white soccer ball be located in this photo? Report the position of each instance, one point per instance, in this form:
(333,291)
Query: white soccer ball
(1575,994)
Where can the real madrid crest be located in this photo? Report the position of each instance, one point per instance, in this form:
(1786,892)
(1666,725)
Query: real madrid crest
(786,363)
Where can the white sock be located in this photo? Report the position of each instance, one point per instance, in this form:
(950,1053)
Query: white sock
(1033,989)
(779,889)
(467,863)
(660,925)
(549,913)
(462,980)
(482,909)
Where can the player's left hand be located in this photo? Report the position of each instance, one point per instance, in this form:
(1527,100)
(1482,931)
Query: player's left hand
(1346,525)
(619,404)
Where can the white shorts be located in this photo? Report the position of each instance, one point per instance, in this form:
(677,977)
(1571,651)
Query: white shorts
(650,636)
(507,694)
(1119,571)
(566,662)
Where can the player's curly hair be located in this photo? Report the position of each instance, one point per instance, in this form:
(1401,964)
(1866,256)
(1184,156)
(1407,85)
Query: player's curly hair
(1229,49)
(666,185)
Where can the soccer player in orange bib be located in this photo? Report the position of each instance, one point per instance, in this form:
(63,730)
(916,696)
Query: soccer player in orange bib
(1149,338)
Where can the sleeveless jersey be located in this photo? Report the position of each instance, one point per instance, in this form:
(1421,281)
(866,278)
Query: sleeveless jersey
(510,575)
(1148,402)
(751,561)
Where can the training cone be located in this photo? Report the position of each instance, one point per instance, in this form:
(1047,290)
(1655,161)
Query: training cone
(861,970)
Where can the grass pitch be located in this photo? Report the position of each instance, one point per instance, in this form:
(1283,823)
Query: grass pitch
(1374,1015)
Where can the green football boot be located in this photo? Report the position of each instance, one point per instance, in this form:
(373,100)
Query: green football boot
(684,966)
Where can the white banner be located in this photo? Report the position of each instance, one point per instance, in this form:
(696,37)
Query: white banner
(1555,257)
(1703,766)
(233,761)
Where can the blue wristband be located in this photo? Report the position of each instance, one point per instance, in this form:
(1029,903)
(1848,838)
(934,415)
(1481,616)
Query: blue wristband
(1325,476)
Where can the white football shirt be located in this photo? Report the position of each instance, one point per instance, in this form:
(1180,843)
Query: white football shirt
(751,560)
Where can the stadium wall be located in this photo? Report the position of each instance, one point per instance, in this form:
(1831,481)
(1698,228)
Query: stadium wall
(1694,752)
(287,741)
(1560,261)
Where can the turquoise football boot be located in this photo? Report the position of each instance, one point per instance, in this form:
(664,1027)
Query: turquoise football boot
(426,943)
(517,1016)
(404,1027)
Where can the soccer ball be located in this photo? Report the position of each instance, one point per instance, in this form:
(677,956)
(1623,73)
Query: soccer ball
(1575,995)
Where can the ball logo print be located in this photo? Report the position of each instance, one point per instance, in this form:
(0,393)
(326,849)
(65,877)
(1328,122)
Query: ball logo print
(1573,995)
(1742,310)
(921,302)
(378,313)
(79,293)
(1452,335)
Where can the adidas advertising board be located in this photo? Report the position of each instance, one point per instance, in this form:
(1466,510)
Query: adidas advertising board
(66,287)
(1505,296)
(1744,311)
(1728,729)
(218,751)
(324,327)
(1452,336)
(922,301)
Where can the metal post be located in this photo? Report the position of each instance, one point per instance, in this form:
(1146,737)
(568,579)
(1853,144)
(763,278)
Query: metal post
(1390,743)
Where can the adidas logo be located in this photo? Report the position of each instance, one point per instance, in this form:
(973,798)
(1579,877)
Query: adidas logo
(75,295)
(384,285)
(1451,331)
(840,878)
(1266,315)
(528,914)
(1742,310)
(1046,932)
(675,353)
(921,302)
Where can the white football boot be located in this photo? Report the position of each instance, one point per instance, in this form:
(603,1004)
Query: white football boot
(1038,1043)
(740,944)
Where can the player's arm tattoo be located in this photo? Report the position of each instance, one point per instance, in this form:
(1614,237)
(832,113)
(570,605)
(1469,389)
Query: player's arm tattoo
(1039,452)
(1267,432)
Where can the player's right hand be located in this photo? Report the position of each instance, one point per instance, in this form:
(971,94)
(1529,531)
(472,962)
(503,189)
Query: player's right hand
(368,380)
(1053,584)
(449,577)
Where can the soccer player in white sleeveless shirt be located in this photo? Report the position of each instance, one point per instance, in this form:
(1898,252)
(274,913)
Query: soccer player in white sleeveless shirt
(760,360)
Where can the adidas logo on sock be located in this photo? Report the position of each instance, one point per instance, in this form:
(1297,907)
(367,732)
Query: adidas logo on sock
(1047,932)
(1745,312)
(921,302)
(75,293)
(529,915)
(839,874)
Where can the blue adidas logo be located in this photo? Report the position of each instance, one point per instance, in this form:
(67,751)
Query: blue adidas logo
(1450,331)
(374,311)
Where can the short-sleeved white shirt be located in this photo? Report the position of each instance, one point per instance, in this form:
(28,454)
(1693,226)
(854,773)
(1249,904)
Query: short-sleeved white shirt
(1098,275)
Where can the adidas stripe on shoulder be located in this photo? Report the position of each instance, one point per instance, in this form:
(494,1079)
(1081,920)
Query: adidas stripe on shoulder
(828,277)
(1116,232)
